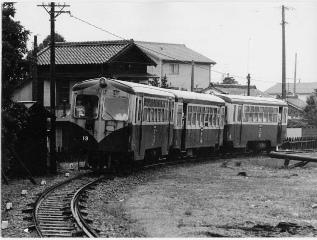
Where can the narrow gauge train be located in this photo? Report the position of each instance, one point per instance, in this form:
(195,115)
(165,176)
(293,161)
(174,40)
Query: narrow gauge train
(255,123)
(120,122)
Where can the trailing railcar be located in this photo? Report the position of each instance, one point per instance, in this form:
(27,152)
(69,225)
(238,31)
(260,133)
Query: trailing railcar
(198,123)
(255,123)
(122,121)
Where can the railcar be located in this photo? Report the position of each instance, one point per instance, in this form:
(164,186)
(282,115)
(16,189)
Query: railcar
(255,123)
(119,122)
(198,123)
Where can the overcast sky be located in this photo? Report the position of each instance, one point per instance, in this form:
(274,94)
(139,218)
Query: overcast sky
(241,36)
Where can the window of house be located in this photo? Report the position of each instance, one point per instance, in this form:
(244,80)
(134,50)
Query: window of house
(174,68)
(62,92)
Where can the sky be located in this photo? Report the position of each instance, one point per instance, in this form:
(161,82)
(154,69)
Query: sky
(240,36)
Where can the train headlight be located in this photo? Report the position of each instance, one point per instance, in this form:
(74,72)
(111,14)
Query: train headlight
(102,82)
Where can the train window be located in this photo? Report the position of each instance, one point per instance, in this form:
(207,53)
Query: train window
(239,113)
(234,112)
(179,115)
(206,119)
(86,106)
(194,119)
(116,109)
(198,119)
(136,110)
(285,114)
(210,119)
(139,109)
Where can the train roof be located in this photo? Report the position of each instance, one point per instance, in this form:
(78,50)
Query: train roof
(130,87)
(252,100)
(194,97)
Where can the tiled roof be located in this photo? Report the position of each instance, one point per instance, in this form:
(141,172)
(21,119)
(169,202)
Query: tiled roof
(173,52)
(296,123)
(301,88)
(296,102)
(235,89)
(82,52)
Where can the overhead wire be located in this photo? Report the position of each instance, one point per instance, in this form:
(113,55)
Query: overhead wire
(163,54)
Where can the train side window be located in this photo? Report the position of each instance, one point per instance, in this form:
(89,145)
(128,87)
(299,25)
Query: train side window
(285,112)
(189,115)
(239,113)
(234,112)
(179,115)
(139,109)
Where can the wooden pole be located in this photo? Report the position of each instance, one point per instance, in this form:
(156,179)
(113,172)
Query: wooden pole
(283,55)
(248,77)
(53,166)
(192,77)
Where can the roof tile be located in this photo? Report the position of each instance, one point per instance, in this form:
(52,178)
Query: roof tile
(82,52)
(301,88)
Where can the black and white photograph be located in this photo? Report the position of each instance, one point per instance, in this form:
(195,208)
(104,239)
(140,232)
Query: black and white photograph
(159,119)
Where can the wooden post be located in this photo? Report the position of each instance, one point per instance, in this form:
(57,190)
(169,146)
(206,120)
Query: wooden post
(192,77)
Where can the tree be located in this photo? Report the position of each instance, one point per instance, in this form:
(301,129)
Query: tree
(311,109)
(45,43)
(154,82)
(229,80)
(47,40)
(14,38)
(164,82)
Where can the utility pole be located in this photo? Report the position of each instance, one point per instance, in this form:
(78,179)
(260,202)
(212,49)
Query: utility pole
(248,77)
(192,77)
(36,85)
(294,91)
(53,14)
(283,54)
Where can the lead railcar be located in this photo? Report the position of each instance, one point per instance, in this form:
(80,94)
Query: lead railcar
(122,122)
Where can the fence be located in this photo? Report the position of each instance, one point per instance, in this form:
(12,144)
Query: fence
(299,143)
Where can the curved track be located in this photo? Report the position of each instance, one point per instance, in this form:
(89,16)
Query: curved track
(53,215)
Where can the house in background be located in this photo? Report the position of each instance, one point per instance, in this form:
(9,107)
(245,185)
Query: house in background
(303,90)
(78,61)
(175,62)
(234,89)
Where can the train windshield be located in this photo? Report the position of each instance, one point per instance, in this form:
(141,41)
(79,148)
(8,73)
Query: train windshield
(116,109)
(86,106)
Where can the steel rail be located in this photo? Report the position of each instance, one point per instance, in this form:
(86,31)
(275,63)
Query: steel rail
(40,199)
(80,221)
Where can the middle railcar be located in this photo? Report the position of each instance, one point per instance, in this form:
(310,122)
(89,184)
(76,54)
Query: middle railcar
(198,122)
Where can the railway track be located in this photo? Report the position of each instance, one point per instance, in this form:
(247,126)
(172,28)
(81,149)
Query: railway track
(57,211)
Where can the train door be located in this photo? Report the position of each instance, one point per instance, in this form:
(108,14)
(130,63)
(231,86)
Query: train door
(183,137)
(139,128)
(279,124)
(238,125)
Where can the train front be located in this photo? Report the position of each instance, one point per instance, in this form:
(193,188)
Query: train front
(100,113)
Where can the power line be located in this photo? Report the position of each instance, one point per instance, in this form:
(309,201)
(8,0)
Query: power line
(154,51)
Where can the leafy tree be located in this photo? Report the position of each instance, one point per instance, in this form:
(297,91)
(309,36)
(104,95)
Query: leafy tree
(311,109)
(47,40)
(229,80)
(164,83)
(154,82)
(14,38)
(45,43)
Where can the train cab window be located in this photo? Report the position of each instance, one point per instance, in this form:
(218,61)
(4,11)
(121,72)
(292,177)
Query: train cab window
(86,106)
(116,109)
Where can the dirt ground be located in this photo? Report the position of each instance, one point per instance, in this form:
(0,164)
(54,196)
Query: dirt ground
(211,200)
